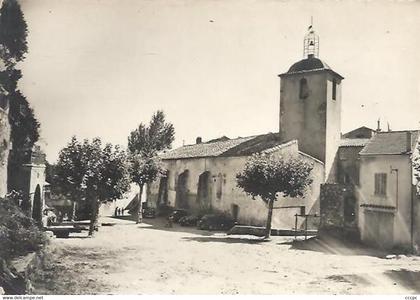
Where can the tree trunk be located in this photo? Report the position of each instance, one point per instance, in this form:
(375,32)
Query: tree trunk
(140,206)
(94,217)
(73,211)
(269,217)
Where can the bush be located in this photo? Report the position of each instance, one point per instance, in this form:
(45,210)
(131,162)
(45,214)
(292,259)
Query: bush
(19,234)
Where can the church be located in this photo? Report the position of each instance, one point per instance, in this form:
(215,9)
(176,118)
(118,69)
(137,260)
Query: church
(202,176)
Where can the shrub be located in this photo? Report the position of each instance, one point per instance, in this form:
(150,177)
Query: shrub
(19,234)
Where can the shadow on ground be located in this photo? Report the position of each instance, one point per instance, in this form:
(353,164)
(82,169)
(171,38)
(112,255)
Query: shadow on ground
(161,224)
(408,279)
(334,246)
(223,239)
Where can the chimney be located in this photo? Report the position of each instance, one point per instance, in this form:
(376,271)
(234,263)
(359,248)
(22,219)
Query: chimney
(408,141)
(198,140)
(378,129)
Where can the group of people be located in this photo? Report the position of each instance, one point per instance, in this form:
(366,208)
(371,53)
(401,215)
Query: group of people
(119,211)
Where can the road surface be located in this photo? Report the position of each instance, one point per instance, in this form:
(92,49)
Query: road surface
(150,259)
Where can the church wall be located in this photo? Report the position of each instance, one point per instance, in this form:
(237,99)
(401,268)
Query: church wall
(4,150)
(314,121)
(304,119)
(333,128)
(225,193)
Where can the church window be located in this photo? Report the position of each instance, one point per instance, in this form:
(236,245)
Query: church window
(303,89)
(334,89)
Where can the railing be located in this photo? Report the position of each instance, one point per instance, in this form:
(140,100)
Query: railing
(306,216)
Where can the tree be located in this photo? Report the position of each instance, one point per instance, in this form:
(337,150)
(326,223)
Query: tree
(13,47)
(13,33)
(416,166)
(89,172)
(25,127)
(144,170)
(144,144)
(266,176)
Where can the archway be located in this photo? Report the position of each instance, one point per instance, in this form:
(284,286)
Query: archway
(181,200)
(37,206)
(204,190)
(163,191)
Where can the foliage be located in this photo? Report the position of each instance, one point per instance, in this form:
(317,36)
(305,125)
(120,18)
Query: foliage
(144,143)
(13,46)
(13,33)
(87,171)
(267,176)
(25,127)
(145,169)
(416,166)
(19,234)
(148,140)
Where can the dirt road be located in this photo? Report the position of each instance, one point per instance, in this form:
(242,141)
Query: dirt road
(150,259)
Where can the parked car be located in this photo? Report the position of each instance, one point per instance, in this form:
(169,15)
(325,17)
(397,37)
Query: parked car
(149,213)
(178,214)
(216,222)
(189,220)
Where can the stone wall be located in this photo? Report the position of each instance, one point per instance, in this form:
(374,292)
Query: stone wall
(338,205)
(4,150)
(332,206)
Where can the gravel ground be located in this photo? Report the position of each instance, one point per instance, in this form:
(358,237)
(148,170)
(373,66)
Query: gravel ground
(150,259)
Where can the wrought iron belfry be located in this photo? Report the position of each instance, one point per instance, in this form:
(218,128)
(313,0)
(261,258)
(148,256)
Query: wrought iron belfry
(311,43)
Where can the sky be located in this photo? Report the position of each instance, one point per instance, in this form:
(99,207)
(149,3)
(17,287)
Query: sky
(99,68)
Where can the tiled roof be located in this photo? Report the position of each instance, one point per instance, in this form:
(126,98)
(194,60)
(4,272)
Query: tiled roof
(231,147)
(353,142)
(392,142)
(204,149)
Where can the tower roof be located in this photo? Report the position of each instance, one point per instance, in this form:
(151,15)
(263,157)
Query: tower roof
(310,64)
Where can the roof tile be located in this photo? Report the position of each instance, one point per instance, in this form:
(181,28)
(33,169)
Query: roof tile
(391,142)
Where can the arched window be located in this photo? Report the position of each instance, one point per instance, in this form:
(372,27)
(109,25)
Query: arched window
(303,89)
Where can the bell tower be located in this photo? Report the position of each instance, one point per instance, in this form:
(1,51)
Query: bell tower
(310,105)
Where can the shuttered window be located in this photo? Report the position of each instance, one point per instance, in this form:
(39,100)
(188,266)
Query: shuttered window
(380,184)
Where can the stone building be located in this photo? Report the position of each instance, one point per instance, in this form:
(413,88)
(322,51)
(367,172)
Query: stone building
(203,175)
(389,209)
(29,178)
